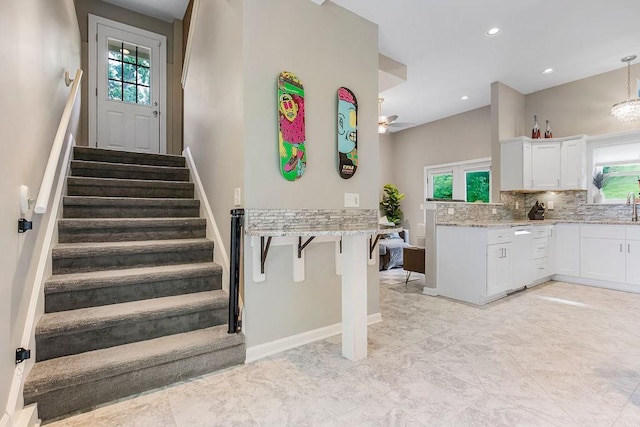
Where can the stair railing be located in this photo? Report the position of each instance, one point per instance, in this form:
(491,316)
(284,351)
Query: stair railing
(52,165)
(237,221)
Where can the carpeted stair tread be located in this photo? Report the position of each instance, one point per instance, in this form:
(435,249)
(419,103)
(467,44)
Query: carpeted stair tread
(109,278)
(92,366)
(113,187)
(116,156)
(124,229)
(84,319)
(84,249)
(96,169)
(84,223)
(129,207)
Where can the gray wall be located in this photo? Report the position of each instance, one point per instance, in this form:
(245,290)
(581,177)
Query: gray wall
(583,106)
(507,121)
(213,105)
(326,47)
(173,32)
(387,155)
(464,136)
(40,41)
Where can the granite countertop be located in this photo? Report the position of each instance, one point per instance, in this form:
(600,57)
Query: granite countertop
(522,223)
(342,231)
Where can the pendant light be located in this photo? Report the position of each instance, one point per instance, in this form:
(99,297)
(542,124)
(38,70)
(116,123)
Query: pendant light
(628,110)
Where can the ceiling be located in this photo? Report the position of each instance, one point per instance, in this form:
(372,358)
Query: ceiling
(166,10)
(447,54)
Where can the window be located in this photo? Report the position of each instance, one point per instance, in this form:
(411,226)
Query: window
(469,181)
(620,166)
(129,73)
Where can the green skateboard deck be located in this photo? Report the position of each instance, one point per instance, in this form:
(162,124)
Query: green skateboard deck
(291,134)
(347,133)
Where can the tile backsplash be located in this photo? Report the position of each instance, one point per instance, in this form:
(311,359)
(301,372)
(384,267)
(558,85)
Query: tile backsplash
(567,205)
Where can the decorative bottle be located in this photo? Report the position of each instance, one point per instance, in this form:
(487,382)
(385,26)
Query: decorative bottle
(547,132)
(535,132)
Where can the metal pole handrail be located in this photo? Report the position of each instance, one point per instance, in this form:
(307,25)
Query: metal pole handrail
(237,220)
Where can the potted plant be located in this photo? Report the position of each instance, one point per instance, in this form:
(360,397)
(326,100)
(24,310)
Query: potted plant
(598,182)
(390,204)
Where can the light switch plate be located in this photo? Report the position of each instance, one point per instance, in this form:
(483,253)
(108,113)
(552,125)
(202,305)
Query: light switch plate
(237,197)
(351,200)
(494,211)
(550,205)
(450,211)
(421,207)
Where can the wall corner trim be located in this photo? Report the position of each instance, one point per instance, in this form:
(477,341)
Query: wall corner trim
(261,351)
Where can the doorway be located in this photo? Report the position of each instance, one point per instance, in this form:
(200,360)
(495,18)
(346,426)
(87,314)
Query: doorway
(127,74)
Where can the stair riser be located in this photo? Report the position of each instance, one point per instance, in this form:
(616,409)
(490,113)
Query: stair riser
(130,234)
(129,260)
(177,175)
(146,192)
(130,158)
(129,212)
(126,332)
(62,301)
(87,395)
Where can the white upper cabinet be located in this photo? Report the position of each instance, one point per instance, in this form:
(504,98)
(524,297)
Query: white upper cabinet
(547,164)
(573,157)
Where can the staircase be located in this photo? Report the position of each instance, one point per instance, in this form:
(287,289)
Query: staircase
(135,300)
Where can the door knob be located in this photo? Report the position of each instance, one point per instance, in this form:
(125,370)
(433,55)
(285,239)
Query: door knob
(155,113)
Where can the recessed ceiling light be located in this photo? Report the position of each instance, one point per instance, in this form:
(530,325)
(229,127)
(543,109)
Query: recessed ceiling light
(547,71)
(493,31)
(464,98)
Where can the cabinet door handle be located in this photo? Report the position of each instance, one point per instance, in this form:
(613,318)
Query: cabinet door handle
(629,248)
(620,247)
(558,183)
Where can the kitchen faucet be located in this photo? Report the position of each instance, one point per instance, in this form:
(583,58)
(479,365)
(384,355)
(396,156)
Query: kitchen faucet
(631,198)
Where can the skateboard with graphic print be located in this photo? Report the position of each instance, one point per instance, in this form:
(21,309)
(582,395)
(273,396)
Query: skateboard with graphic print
(347,133)
(291,128)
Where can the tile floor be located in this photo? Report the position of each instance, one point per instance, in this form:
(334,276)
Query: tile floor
(555,355)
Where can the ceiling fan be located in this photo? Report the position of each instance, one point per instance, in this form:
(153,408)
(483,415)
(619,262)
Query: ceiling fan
(384,121)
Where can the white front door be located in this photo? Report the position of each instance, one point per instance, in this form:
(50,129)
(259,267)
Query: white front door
(129,87)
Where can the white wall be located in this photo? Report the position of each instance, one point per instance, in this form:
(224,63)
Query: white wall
(464,136)
(213,105)
(40,41)
(326,47)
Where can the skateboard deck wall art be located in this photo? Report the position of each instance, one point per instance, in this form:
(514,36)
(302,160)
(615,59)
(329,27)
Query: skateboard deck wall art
(347,133)
(291,127)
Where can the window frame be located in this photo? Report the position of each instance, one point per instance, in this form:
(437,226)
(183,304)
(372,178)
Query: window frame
(459,171)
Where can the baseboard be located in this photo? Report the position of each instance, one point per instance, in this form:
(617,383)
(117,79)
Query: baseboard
(596,283)
(432,292)
(220,253)
(261,351)
(28,417)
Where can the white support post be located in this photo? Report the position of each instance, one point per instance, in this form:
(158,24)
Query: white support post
(298,263)
(339,257)
(355,251)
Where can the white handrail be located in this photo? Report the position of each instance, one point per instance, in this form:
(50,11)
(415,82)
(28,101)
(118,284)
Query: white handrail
(190,35)
(56,149)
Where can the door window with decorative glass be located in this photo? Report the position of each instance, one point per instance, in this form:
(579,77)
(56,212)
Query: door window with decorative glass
(129,73)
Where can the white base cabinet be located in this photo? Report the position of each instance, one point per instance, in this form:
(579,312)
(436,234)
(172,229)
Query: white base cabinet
(567,249)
